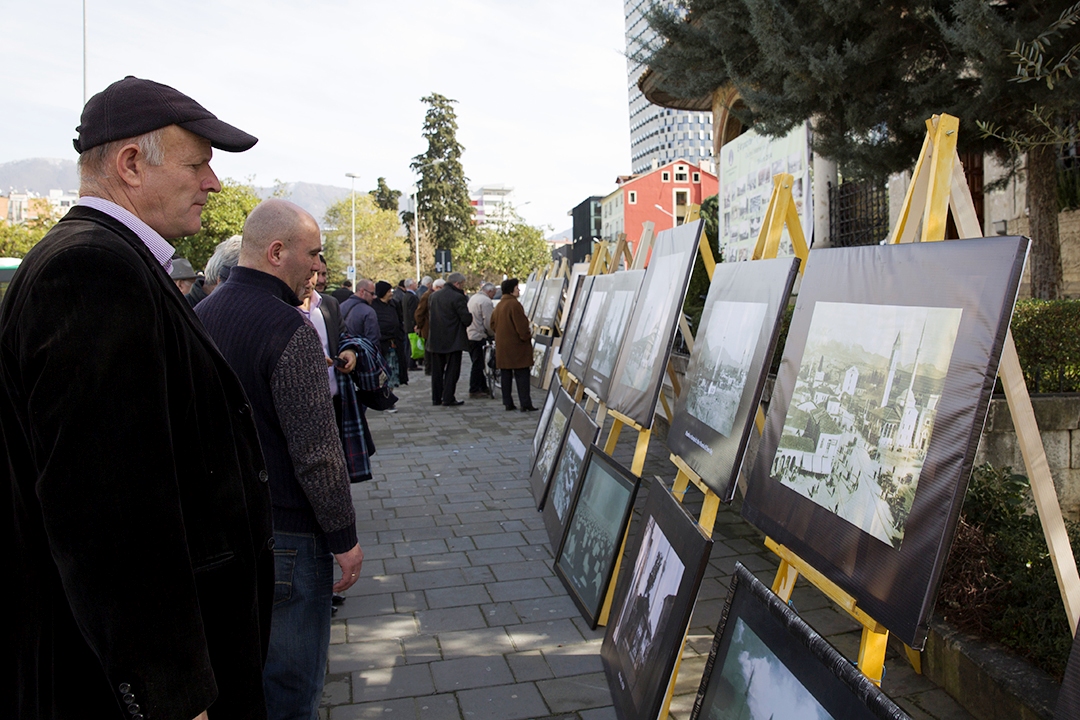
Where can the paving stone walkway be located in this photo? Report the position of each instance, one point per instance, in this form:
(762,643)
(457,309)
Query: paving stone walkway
(458,614)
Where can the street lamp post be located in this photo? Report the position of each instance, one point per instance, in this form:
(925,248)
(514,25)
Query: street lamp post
(674,220)
(352,257)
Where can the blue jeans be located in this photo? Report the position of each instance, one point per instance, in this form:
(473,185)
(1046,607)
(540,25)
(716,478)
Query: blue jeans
(300,626)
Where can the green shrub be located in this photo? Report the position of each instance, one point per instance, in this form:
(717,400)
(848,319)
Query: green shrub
(1048,344)
(999,582)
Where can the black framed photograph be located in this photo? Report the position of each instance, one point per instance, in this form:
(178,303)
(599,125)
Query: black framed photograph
(622,297)
(550,302)
(577,361)
(733,349)
(766,662)
(573,317)
(566,477)
(537,289)
(542,421)
(541,355)
(578,271)
(876,414)
(655,595)
(551,445)
(595,530)
(639,371)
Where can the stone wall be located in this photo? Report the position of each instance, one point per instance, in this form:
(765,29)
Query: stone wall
(1058,417)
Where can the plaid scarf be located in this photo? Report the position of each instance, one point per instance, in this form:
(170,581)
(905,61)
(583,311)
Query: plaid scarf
(353,423)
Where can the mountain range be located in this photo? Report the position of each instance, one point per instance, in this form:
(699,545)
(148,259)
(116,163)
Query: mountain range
(40,175)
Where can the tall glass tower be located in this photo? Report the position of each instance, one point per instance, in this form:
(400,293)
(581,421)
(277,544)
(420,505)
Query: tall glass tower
(658,135)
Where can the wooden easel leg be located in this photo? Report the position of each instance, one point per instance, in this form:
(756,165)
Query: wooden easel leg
(641,451)
(613,437)
(680,486)
(709,508)
(914,657)
(674,676)
(872,654)
(784,584)
(609,598)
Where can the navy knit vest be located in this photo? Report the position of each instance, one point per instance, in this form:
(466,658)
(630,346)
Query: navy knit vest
(252,317)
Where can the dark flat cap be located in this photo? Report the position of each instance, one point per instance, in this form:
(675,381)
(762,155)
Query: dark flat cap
(182,270)
(133,106)
(381,288)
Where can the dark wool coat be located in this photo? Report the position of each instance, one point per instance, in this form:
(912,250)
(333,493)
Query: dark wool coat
(449,317)
(513,338)
(421,315)
(138,514)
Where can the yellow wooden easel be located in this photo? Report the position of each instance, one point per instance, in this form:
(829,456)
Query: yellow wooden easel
(780,212)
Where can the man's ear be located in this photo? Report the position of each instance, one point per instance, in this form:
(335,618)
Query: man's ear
(274,252)
(129,165)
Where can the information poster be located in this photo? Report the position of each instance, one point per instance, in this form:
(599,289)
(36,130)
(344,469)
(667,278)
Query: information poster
(747,166)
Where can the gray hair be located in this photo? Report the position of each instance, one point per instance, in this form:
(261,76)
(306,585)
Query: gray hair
(487,287)
(93,164)
(438,284)
(426,280)
(226,255)
(409,283)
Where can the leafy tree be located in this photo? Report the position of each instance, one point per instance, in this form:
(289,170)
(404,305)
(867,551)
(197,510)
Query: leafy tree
(17,239)
(511,248)
(384,197)
(443,192)
(223,217)
(381,254)
(868,74)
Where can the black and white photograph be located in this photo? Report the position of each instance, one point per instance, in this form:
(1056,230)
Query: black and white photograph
(578,272)
(862,412)
(733,349)
(566,476)
(550,446)
(635,383)
(876,414)
(547,307)
(541,424)
(595,531)
(541,355)
(613,326)
(578,360)
(657,586)
(573,320)
(727,344)
(767,663)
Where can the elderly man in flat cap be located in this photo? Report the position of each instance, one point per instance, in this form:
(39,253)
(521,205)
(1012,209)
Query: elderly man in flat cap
(140,530)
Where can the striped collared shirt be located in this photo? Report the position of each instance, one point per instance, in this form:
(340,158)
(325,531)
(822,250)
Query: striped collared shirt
(158,247)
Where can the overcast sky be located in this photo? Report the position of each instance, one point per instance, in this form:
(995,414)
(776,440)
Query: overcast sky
(334,86)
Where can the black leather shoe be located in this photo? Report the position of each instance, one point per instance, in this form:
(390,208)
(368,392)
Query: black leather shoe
(336,599)
(512,407)
(455,403)
(528,409)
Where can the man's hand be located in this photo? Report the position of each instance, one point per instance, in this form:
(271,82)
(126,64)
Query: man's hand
(350,563)
(349,356)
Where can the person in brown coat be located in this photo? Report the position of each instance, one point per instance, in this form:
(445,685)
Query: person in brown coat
(513,345)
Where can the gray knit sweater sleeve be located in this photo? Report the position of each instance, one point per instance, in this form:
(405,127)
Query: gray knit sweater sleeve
(306,414)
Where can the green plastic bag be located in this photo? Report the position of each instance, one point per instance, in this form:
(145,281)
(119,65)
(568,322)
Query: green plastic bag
(417,344)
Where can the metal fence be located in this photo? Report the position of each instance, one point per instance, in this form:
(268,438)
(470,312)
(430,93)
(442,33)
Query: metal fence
(858,213)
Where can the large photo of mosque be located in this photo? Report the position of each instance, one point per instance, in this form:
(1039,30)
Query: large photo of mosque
(862,411)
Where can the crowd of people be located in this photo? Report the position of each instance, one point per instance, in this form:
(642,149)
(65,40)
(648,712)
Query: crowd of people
(180,447)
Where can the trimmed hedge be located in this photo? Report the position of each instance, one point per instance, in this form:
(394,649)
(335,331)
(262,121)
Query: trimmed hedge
(1047,335)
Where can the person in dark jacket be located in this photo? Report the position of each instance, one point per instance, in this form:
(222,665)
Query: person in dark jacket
(138,525)
(393,334)
(513,346)
(449,317)
(277,354)
(422,318)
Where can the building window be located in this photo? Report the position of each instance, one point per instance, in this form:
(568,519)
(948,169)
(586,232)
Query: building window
(633,197)
(665,176)
(697,178)
(680,173)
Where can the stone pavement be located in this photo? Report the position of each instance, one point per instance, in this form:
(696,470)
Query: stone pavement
(458,613)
